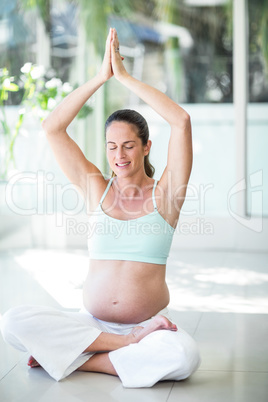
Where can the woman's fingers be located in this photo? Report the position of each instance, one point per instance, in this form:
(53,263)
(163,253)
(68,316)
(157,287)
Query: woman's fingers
(108,42)
(115,41)
(115,47)
(117,65)
(106,68)
(109,37)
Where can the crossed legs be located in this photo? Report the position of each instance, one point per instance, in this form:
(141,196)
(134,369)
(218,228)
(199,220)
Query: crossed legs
(107,342)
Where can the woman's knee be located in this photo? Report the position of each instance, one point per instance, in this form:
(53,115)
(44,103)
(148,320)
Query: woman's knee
(180,351)
(187,355)
(10,323)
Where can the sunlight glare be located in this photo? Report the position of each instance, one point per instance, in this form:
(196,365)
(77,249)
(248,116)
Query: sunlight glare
(60,273)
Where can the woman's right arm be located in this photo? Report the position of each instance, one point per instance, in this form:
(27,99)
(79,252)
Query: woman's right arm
(69,156)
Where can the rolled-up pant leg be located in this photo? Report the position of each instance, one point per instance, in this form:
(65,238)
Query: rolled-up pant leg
(56,339)
(161,355)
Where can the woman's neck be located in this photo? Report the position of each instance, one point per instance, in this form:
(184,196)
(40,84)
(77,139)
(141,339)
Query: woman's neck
(131,187)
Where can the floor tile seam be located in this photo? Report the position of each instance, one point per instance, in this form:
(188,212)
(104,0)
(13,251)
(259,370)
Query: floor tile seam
(9,371)
(15,365)
(198,322)
(172,386)
(234,371)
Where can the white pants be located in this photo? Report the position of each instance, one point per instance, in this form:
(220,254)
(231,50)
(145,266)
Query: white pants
(57,339)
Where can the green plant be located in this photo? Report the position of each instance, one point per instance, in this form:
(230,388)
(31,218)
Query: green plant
(41,92)
(7,85)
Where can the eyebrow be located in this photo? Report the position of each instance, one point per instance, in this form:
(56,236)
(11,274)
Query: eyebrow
(125,142)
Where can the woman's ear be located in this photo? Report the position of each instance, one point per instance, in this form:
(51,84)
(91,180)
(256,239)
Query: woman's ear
(147,147)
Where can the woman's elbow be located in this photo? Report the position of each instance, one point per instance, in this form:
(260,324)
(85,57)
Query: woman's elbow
(186,120)
(44,125)
(182,120)
(48,127)
(183,123)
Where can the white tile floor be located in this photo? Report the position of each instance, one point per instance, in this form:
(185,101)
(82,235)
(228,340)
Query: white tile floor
(220,298)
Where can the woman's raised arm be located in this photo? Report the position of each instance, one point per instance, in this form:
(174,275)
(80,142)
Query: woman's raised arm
(68,154)
(180,145)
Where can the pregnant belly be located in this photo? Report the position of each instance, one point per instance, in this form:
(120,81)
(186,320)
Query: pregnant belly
(115,293)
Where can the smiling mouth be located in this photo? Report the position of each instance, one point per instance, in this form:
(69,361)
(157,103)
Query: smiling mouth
(122,164)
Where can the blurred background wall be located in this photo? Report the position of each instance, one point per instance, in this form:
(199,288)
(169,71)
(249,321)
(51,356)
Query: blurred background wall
(211,56)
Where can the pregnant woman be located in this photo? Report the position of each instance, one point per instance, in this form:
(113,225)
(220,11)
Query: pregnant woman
(125,328)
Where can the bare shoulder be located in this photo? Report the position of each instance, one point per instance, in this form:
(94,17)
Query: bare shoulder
(94,186)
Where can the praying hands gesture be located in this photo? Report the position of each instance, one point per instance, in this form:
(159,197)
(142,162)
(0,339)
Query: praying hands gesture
(112,64)
(78,168)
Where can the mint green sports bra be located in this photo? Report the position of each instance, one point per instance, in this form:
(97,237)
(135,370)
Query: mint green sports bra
(144,239)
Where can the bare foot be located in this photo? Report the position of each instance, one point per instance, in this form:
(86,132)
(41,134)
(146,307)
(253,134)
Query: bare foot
(157,323)
(32,362)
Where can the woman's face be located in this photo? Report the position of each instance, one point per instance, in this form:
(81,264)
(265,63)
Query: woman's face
(124,148)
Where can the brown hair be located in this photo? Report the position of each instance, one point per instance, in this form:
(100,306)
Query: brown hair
(132,117)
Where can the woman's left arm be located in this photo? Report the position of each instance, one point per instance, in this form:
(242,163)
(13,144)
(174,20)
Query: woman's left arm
(176,175)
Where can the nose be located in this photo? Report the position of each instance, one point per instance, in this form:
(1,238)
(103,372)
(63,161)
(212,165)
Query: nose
(120,153)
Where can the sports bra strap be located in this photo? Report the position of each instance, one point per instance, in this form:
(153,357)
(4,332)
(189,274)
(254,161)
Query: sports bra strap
(110,183)
(153,195)
(106,190)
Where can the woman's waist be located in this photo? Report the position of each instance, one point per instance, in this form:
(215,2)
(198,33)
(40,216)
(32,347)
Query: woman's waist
(117,289)
(127,268)
(125,277)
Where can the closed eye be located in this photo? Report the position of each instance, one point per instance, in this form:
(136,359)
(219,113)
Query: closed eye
(112,149)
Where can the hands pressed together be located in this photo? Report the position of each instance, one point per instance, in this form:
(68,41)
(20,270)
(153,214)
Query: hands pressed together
(112,64)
